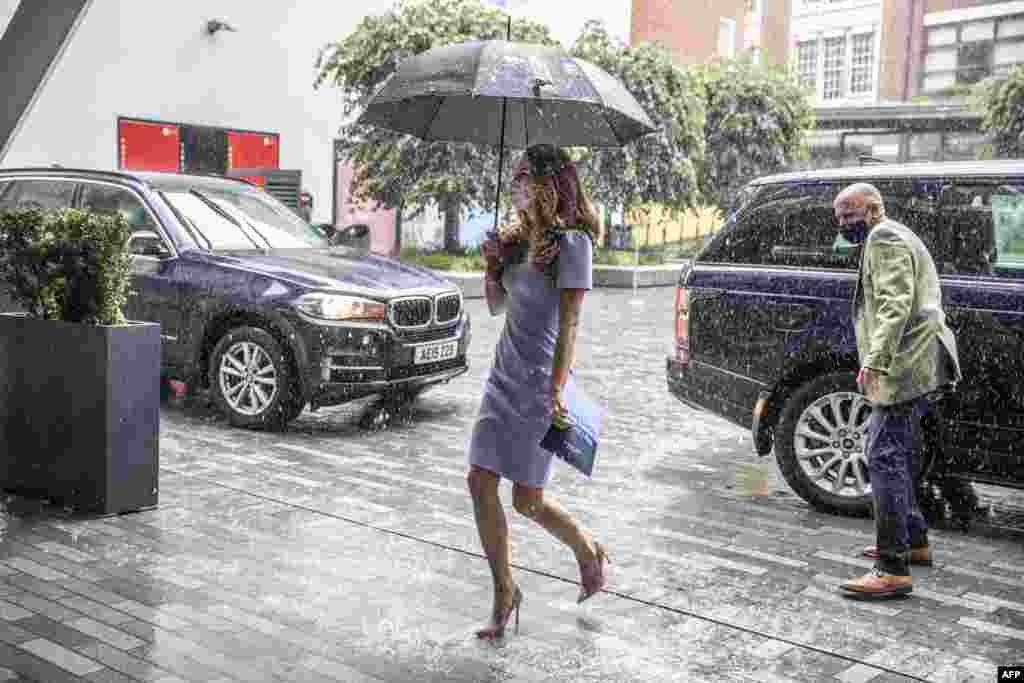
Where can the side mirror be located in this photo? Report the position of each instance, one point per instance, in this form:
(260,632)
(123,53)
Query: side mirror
(356,236)
(326,229)
(357,231)
(147,243)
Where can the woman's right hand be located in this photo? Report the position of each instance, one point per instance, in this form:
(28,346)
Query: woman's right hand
(490,249)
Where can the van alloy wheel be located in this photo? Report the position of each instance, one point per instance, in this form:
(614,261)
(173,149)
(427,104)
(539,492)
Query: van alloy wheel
(829,443)
(248,379)
(820,440)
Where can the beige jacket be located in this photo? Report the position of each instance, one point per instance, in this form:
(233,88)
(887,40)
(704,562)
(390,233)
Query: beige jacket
(900,325)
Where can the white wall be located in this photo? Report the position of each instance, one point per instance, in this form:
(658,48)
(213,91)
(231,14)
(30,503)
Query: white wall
(149,60)
(7,8)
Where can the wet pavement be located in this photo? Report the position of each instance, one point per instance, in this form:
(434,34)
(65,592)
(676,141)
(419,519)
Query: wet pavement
(335,553)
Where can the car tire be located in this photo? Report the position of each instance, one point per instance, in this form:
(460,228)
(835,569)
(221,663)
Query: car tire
(830,405)
(251,380)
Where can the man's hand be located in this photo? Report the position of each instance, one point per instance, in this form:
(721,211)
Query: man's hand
(868,381)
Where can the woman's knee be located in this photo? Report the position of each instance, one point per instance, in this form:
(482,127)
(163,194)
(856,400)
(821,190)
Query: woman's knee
(527,501)
(481,482)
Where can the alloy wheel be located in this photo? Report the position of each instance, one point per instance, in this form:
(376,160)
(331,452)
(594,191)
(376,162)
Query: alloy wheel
(248,378)
(829,442)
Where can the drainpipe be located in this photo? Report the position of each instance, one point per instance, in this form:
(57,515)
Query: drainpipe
(911,31)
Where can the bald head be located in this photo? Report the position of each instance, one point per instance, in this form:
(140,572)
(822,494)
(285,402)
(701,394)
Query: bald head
(860,201)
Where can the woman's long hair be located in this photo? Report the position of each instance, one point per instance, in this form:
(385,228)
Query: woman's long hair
(551,201)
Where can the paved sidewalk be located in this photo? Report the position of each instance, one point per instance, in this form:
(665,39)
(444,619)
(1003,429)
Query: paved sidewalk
(329,553)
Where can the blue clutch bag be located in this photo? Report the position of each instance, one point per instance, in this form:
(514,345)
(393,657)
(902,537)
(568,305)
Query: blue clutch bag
(576,444)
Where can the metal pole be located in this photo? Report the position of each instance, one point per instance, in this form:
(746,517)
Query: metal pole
(501,143)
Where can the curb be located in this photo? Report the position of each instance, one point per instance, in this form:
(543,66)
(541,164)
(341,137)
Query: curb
(612,277)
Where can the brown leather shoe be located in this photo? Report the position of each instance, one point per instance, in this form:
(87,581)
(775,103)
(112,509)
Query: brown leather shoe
(876,585)
(920,556)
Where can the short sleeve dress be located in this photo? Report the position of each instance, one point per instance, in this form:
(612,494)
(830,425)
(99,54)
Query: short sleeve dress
(513,417)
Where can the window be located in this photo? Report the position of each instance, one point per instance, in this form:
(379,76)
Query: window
(915,204)
(1007,221)
(98,197)
(838,67)
(38,194)
(791,225)
(807,63)
(984,221)
(924,147)
(726,37)
(862,66)
(964,53)
(835,58)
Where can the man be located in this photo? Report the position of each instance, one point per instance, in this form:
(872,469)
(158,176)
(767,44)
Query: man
(907,353)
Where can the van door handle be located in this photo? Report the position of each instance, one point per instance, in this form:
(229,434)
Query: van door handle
(791,316)
(705,293)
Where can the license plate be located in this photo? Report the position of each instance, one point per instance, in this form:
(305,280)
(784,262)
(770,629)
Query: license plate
(432,353)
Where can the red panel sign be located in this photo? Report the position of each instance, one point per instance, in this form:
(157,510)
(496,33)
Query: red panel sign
(252,150)
(144,146)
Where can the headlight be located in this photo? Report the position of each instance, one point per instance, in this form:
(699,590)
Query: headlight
(336,307)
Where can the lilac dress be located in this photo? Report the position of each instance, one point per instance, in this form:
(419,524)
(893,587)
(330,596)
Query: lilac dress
(513,417)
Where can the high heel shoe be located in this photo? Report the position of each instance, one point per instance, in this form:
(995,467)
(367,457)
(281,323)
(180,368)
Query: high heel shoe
(501,618)
(592,578)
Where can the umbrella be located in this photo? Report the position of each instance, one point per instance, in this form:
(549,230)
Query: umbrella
(509,94)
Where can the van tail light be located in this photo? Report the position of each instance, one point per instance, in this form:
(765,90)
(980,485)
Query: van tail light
(682,337)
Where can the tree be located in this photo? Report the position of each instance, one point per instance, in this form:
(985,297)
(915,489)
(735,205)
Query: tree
(658,168)
(1000,101)
(756,124)
(399,171)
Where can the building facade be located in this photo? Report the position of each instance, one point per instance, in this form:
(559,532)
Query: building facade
(890,77)
(112,84)
(697,31)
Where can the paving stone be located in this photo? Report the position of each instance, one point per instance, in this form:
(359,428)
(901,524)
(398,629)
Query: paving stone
(326,552)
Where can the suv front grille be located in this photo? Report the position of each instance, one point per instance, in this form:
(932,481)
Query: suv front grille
(411,312)
(449,306)
(420,336)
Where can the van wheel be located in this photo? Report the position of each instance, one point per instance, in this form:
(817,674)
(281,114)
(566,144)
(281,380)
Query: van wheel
(251,380)
(819,444)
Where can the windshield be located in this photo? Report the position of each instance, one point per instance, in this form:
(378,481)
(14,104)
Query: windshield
(246,219)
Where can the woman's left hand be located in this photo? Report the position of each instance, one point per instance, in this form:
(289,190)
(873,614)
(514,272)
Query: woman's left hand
(554,402)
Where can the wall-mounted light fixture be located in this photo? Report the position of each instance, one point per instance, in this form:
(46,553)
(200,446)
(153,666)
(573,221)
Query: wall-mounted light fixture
(213,26)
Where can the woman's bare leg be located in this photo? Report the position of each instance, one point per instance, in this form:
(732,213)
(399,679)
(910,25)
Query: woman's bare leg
(493,529)
(544,509)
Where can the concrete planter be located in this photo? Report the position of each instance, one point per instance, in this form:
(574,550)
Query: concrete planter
(618,277)
(80,412)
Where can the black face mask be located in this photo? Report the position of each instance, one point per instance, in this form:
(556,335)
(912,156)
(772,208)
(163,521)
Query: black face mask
(856,232)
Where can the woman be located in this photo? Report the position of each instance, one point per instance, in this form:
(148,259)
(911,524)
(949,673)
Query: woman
(541,291)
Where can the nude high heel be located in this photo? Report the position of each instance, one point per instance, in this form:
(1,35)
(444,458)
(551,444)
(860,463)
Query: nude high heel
(501,618)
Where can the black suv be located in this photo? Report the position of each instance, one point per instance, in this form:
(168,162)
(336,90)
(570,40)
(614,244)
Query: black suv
(764,335)
(257,305)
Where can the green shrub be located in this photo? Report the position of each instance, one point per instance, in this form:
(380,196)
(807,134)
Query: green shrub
(472,261)
(66,264)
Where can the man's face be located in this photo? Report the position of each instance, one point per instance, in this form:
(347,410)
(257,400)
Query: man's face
(850,209)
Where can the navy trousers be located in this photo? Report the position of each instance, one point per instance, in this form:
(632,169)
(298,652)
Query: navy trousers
(889,446)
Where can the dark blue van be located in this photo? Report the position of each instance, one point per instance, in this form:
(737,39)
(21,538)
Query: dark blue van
(256,304)
(764,335)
